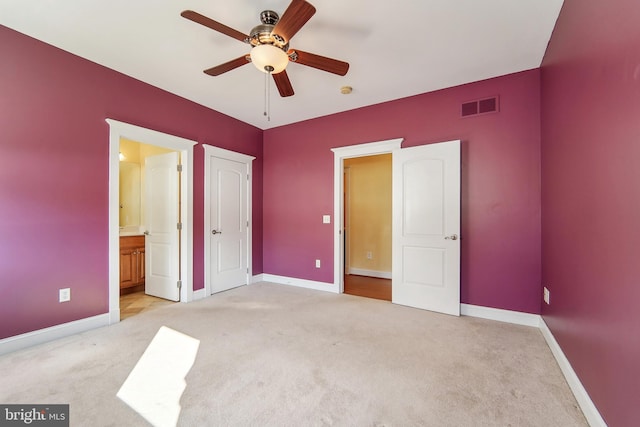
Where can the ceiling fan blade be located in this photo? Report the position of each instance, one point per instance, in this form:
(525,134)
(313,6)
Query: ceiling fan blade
(296,15)
(283,83)
(322,63)
(214,25)
(227,66)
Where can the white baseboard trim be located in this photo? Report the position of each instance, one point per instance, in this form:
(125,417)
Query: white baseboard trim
(589,410)
(40,336)
(114,316)
(370,273)
(301,283)
(508,316)
(257,278)
(199,294)
(587,406)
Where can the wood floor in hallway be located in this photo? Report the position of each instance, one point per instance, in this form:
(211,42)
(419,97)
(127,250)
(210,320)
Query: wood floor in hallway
(370,287)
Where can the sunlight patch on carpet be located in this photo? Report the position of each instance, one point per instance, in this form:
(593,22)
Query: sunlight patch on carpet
(155,385)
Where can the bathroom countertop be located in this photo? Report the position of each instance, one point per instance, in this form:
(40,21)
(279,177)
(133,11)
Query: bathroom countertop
(130,233)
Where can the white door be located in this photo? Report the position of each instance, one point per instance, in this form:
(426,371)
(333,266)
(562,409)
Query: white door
(426,227)
(228,222)
(162,251)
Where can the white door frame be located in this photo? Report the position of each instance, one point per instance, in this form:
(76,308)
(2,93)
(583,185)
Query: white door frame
(119,130)
(341,153)
(211,151)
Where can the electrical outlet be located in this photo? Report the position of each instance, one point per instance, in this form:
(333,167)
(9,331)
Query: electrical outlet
(64,295)
(317,263)
(369,255)
(546,295)
(326,219)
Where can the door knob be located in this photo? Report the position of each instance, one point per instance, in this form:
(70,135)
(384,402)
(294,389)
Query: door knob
(146,233)
(216,232)
(452,237)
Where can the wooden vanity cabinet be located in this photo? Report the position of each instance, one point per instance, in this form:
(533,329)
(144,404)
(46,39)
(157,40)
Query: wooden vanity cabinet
(131,261)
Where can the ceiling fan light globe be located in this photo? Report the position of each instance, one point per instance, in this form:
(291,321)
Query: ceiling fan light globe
(266,56)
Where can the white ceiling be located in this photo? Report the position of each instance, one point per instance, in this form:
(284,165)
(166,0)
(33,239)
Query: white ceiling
(395,48)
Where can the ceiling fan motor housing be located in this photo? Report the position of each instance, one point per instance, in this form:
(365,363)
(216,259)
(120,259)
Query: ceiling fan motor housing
(263,33)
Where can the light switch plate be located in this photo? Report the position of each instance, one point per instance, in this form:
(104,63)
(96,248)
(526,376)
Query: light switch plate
(326,219)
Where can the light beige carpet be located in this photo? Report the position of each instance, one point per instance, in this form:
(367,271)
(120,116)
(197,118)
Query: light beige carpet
(273,355)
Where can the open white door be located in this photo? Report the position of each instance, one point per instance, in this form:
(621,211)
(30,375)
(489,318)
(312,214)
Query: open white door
(426,227)
(162,251)
(228,223)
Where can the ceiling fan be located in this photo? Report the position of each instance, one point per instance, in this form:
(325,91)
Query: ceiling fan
(269,42)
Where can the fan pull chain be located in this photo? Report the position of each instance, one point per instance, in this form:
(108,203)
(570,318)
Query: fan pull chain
(267,97)
(266,76)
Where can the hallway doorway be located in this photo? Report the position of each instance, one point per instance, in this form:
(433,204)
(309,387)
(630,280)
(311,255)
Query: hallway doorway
(367,226)
(425,223)
(350,258)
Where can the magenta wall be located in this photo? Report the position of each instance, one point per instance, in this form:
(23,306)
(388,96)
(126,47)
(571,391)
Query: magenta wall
(500,185)
(54,176)
(591,198)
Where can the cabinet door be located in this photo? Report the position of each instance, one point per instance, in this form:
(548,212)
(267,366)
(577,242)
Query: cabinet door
(140,265)
(128,267)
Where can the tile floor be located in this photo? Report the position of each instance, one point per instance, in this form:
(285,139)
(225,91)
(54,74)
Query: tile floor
(138,302)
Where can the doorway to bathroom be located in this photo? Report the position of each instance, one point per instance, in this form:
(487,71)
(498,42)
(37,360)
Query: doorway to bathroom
(169,258)
(149,211)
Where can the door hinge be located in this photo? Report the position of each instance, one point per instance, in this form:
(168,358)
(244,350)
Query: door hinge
(179,226)
(247,270)
(247,224)
(179,168)
(179,284)
(247,177)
